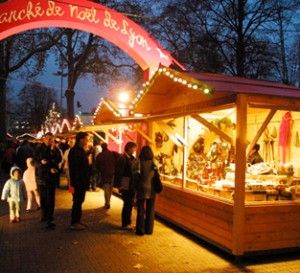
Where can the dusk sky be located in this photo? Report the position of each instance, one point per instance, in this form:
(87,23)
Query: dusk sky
(86,90)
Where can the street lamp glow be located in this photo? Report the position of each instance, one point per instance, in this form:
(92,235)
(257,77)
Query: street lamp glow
(123,97)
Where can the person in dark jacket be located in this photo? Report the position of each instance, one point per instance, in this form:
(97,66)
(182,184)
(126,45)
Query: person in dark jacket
(46,158)
(254,156)
(9,157)
(124,181)
(23,152)
(106,165)
(145,193)
(79,168)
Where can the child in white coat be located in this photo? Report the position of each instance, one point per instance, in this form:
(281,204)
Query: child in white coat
(14,193)
(31,186)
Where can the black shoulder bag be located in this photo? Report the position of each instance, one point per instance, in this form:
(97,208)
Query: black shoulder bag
(158,186)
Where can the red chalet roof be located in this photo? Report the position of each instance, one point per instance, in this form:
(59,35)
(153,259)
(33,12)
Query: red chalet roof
(172,91)
(224,83)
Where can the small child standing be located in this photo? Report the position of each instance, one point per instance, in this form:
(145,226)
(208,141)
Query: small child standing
(14,193)
(31,186)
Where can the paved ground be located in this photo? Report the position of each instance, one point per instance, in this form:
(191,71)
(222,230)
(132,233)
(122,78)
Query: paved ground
(30,247)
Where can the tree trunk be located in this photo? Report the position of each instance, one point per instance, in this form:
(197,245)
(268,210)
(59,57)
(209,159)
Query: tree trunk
(240,51)
(3,79)
(284,69)
(3,115)
(70,103)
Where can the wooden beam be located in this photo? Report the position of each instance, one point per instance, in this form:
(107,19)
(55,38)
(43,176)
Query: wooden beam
(172,134)
(118,141)
(213,128)
(143,134)
(100,137)
(269,102)
(129,136)
(261,129)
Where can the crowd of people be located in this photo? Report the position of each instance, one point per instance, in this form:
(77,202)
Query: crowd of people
(34,174)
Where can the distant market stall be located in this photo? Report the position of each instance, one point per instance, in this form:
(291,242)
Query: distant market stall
(27,137)
(110,126)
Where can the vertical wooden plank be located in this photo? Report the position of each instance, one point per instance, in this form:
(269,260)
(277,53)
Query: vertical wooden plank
(240,173)
(185,148)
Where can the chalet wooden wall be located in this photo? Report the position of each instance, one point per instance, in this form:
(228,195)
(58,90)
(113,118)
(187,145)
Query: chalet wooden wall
(268,226)
(202,216)
(272,226)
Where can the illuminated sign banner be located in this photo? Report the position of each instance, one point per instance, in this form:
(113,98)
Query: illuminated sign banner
(17,16)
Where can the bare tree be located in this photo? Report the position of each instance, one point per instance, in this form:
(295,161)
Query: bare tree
(243,38)
(87,54)
(284,32)
(35,101)
(294,63)
(179,28)
(235,27)
(28,51)
(82,54)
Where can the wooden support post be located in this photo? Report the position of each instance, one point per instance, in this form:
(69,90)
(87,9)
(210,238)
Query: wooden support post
(240,176)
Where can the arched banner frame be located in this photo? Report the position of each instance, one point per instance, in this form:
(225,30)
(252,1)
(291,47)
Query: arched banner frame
(17,16)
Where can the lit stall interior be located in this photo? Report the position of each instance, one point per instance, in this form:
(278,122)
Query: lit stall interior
(203,130)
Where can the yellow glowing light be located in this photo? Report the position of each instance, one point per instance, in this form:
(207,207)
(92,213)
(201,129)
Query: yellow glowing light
(123,97)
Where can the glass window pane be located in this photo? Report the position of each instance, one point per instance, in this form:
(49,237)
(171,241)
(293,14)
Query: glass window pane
(168,149)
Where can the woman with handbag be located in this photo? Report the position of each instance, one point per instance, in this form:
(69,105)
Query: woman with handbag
(145,193)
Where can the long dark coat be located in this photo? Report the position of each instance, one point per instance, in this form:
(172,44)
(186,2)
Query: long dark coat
(79,168)
(106,165)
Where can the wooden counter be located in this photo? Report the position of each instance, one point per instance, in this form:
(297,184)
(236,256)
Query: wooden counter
(202,216)
(268,225)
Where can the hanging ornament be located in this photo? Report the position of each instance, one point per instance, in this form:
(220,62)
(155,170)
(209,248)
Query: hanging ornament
(284,133)
(297,140)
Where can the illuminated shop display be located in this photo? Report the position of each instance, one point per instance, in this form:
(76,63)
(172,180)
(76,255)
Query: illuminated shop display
(204,162)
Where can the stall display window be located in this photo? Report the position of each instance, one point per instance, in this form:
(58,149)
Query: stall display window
(168,149)
(272,171)
(197,153)
(276,176)
(209,155)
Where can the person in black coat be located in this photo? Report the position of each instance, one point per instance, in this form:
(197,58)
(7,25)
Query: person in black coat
(79,168)
(46,158)
(124,181)
(106,165)
(23,152)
